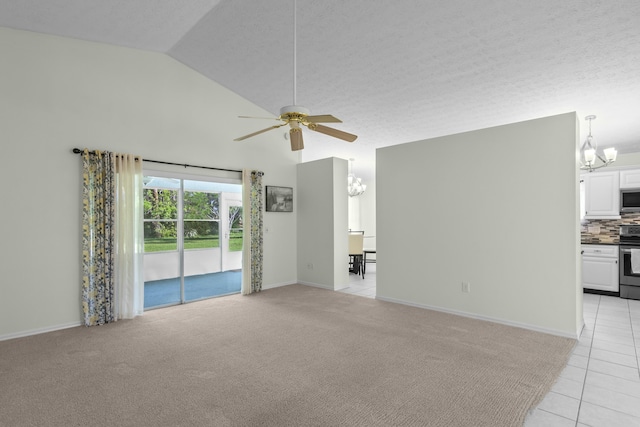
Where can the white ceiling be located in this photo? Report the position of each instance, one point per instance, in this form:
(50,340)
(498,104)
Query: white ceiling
(394,72)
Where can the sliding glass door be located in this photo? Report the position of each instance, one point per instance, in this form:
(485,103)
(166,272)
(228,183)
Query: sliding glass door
(188,225)
(233,234)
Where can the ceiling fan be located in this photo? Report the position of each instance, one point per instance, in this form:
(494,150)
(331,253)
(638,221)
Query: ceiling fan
(296,115)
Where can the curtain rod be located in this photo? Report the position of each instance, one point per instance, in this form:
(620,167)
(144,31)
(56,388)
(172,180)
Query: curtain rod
(79,151)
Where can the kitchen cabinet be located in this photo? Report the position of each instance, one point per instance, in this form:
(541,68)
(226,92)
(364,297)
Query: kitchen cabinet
(602,195)
(630,178)
(600,267)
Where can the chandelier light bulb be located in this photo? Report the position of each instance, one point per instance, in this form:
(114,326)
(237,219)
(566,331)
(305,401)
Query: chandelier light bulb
(610,154)
(589,156)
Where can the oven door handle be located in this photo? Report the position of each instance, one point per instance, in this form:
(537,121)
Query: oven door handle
(625,251)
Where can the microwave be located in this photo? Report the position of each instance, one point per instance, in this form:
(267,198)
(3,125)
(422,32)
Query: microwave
(630,200)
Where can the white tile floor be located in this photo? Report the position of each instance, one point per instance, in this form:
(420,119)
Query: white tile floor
(601,384)
(364,287)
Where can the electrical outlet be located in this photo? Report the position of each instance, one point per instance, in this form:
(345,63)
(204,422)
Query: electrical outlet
(466,287)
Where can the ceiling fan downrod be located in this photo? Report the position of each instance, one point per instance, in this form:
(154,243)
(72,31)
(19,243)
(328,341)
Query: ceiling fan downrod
(295,50)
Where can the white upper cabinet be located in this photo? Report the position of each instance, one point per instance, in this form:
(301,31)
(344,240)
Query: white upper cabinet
(602,195)
(630,178)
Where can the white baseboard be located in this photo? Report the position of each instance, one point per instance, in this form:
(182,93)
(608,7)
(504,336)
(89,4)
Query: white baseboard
(316,285)
(39,331)
(278,285)
(486,318)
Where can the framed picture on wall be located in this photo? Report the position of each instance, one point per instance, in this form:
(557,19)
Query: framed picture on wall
(279,199)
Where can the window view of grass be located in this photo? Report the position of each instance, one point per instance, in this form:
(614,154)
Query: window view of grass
(160,244)
(200,218)
(202,242)
(235,241)
(170,244)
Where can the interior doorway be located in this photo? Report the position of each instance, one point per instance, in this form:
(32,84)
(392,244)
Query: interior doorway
(193,238)
(361,217)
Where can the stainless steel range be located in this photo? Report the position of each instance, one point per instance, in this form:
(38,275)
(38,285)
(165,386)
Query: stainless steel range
(629,281)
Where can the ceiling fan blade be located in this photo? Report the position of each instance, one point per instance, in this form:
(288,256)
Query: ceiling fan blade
(323,118)
(295,135)
(253,117)
(259,132)
(334,132)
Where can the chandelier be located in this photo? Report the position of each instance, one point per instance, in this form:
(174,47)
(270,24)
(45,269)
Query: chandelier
(355,187)
(589,156)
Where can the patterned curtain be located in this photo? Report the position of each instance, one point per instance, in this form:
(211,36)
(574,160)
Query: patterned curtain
(98,237)
(252,252)
(112,237)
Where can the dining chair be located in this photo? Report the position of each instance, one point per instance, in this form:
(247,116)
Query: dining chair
(356,242)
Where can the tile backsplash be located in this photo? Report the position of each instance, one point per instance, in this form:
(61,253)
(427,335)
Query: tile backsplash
(605,230)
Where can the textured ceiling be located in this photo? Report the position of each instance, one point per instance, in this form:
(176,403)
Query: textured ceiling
(394,72)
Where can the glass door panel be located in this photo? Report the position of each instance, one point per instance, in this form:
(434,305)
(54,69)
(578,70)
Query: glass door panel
(185,238)
(233,234)
(162,275)
(235,229)
(201,240)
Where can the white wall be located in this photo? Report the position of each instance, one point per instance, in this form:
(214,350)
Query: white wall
(628,160)
(367,202)
(59,93)
(355,217)
(323,223)
(497,208)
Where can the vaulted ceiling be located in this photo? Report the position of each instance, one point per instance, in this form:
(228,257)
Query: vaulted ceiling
(394,72)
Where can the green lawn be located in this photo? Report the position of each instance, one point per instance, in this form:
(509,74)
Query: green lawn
(204,242)
(235,243)
(159,245)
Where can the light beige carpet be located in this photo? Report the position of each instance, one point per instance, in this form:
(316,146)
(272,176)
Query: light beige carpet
(291,356)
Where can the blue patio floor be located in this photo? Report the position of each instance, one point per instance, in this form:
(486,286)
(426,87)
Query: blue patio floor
(165,292)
